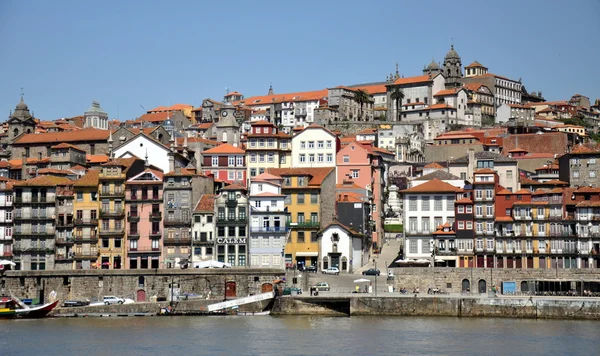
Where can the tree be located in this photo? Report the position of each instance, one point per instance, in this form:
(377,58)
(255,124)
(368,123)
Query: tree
(361,97)
(397,96)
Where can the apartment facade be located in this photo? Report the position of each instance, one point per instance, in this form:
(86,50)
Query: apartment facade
(314,147)
(268,229)
(6,218)
(203,229)
(111,226)
(144,209)
(267,148)
(87,210)
(225,162)
(231,240)
(178,200)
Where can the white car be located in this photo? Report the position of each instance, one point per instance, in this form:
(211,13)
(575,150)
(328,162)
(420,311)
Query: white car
(332,270)
(111,299)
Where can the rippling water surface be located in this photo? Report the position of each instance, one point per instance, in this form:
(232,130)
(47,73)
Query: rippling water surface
(297,335)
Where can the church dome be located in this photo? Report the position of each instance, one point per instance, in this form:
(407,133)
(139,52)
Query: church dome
(452,53)
(21,105)
(433,65)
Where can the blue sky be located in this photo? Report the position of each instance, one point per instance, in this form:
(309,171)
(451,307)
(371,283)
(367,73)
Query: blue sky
(128,54)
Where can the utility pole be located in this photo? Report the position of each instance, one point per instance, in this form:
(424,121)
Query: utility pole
(375,262)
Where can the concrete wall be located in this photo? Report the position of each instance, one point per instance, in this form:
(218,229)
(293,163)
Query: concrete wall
(439,153)
(88,284)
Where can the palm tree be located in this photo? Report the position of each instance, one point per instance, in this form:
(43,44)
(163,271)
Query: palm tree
(397,95)
(361,97)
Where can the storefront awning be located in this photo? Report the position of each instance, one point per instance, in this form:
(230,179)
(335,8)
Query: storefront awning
(307,254)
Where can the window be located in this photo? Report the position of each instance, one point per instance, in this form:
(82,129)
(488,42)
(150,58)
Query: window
(437,203)
(489,210)
(425,204)
(271,157)
(346,159)
(253,157)
(412,204)
(231,175)
(355,173)
(239,161)
(79,196)
(261,157)
(300,198)
(302,145)
(314,198)
(478,194)
(469,225)
(461,209)
(412,246)
(329,144)
(509,174)
(314,237)
(575,174)
(463,175)
(461,225)
(592,174)
(329,157)
(300,238)
(319,144)
(302,158)
(449,204)
(425,225)
(311,158)
(231,161)
(311,145)
(266,260)
(479,210)
(282,159)
(215,161)
(320,157)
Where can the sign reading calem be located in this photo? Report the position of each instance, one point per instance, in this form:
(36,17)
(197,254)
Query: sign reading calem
(231,240)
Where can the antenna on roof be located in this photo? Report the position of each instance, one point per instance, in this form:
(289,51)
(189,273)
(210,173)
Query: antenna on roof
(226,91)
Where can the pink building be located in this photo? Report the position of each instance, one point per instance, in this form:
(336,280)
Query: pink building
(362,164)
(144,208)
(225,162)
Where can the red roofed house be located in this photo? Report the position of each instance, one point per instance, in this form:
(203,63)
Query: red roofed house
(267,147)
(360,164)
(225,162)
(505,90)
(203,229)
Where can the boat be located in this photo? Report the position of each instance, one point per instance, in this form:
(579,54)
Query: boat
(11,307)
(267,312)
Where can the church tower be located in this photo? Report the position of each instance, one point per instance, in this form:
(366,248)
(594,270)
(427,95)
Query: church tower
(21,121)
(452,69)
(95,117)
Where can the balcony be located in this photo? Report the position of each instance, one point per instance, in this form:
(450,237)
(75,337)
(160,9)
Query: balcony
(555,217)
(281,229)
(133,217)
(155,234)
(44,233)
(37,217)
(231,203)
(177,221)
(238,221)
(41,200)
(86,239)
(449,252)
(155,215)
(7,254)
(37,248)
(115,213)
(92,255)
(133,234)
(112,232)
(107,193)
(303,224)
(64,225)
(86,222)
(522,217)
(178,241)
(67,257)
(144,198)
(64,192)
(64,241)
(143,249)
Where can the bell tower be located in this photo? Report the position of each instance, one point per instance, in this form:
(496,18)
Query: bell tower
(452,68)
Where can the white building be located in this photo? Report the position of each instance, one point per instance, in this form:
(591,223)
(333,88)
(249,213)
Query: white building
(142,146)
(517,112)
(268,231)
(6,219)
(341,247)
(314,147)
(419,89)
(203,229)
(440,174)
(426,207)
(506,167)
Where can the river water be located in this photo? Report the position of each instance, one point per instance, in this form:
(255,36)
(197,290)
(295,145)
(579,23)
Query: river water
(297,335)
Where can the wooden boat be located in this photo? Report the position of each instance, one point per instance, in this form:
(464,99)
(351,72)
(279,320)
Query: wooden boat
(267,312)
(11,308)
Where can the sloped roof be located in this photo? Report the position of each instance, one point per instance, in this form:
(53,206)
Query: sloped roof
(234,187)
(433,186)
(337,223)
(64,136)
(206,203)
(67,145)
(266,176)
(439,174)
(434,165)
(90,179)
(413,80)
(44,181)
(485,155)
(225,148)
(317,175)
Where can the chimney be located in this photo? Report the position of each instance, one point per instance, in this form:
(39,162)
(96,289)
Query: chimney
(171,161)
(24,175)
(471,163)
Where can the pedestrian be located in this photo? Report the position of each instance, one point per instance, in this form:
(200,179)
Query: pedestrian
(357,289)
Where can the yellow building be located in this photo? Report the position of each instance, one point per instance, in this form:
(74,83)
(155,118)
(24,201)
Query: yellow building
(579,130)
(86,208)
(111,188)
(310,204)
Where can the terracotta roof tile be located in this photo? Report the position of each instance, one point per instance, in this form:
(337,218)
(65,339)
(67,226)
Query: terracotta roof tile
(64,136)
(585,149)
(413,80)
(96,158)
(223,149)
(206,203)
(434,165)
(504,218)
(268,194)
(432,186)
(183,172)
(475,64)
(485,171)
(266,176)
(317,175)
(90,179)
(447,92)
(523,192)
(234,187)
(279,98)
(44,181)
(66,145)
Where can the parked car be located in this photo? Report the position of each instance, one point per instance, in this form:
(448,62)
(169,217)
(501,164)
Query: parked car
(76,303)
(310,269)
(332,270)
(322,286)
(371,272)
(111,299)
(288,290)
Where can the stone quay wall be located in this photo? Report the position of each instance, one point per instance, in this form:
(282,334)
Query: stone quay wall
(135,284)
(451,279)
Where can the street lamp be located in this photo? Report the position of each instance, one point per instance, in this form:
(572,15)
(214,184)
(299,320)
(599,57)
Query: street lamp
(375,262)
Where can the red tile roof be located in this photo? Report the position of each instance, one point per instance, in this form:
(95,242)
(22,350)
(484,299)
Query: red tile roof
(64,136)
(485,171)
(432,186)
(96,158)
(289,97)
(234,187)
(317,175)
(434,165)
(475,64)
(223,149)
(66,145)
(206,203)
(447,92)
(155,117)
(413,80)
(44,181)
(90,179)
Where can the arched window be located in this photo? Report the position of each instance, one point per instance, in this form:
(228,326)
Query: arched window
(334,248)
(482,286)
(325,263)
(524,287)
(466,285)
(224,137)
(15,132)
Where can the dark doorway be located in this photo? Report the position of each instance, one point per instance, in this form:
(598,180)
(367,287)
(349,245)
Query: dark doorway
(482,286)
(466,285)
(230,291)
